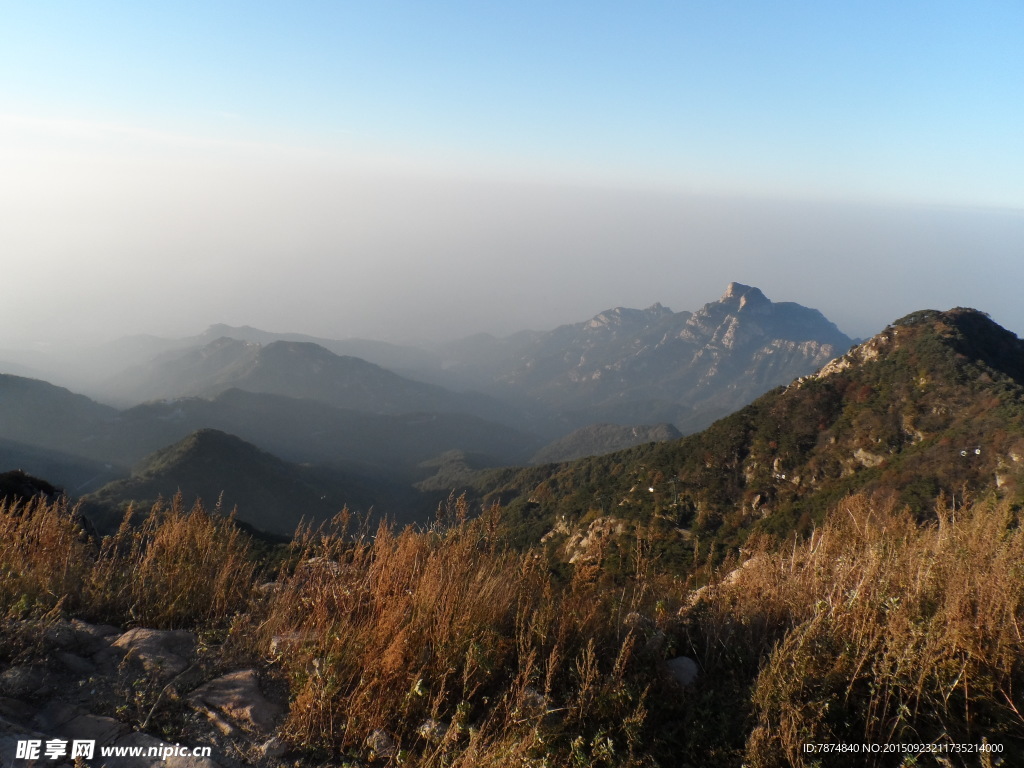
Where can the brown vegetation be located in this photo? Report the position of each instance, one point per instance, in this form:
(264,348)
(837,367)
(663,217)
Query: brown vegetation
(443,647)
(881,630)
(456,648)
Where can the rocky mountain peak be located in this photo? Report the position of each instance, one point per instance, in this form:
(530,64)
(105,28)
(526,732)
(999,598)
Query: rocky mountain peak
(625,317)
(968,333)
(743,294)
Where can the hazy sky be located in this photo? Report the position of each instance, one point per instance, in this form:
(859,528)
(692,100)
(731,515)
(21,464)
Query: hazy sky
(409,170)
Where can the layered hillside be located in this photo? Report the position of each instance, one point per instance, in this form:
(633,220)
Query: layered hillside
(311,431)
(933,405)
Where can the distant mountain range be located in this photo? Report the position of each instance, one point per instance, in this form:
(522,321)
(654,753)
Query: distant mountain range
(577,390)
(81,445)
(623,366)
(630,366)
(294,369)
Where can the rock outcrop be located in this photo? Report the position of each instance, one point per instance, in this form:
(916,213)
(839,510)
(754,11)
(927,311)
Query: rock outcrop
(107,689)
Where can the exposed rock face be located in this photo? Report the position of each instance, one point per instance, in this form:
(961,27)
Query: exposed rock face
(83,681)
(162,653)
(24,681)
(587,546)
(238,697)
(118,682)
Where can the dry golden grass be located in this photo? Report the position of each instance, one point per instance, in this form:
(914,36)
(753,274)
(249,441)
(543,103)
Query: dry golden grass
(460,652)
(176,568)
(44,557)
(394,631)
(879,629)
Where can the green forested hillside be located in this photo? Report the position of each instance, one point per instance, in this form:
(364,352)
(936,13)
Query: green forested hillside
(933,405)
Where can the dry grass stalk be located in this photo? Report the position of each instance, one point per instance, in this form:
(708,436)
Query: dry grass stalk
(885,630)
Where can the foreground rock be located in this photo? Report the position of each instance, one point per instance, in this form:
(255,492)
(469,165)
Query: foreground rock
(237,696)
(162,653)
(120,691)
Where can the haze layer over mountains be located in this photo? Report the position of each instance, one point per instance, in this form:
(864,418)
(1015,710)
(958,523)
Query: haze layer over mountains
(378,425)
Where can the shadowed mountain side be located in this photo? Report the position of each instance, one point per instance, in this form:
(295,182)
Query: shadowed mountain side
(271,495)
(18,487)
(38,421)
(934,404)
(76,474)
(310,431)
(297,369)
(39,414)
(598,439)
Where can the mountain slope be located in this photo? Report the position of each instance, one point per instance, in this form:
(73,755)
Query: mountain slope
(192,371)
(602,438)
(632,366)
(75,474)
(935,403)
(295,369)
(39,414)
(391,356)
(271,495)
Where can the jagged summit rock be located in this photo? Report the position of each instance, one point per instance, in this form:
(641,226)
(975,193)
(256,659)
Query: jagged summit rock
(744,294)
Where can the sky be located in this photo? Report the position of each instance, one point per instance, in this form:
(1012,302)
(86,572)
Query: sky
(412,171)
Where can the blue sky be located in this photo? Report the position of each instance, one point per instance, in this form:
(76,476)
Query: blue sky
(910,101)
(391,108)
